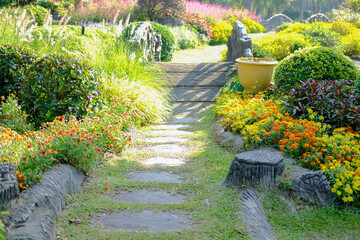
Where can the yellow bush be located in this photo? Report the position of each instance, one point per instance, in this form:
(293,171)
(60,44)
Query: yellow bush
(341,27)
(221,31)
(252,26)
(351,43)
(282,45)
(295,27)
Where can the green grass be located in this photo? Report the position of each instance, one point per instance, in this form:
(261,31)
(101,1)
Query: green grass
(310,222)
(204,173)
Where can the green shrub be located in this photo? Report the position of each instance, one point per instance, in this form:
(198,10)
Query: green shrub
(336,100)
(54,6)
(261,52)
(252,26)
(221,31)
(186,38)
(351,43)
(56,85)
(294,27)
(320,36)
(13,59)
(167,38)
(282,45)
(318,63)
(356,24)
(38,11)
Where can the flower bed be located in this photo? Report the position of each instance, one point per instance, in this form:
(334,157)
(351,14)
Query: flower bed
(80,143)
(265,121)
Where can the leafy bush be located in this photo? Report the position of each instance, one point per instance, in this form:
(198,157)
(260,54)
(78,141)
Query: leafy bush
(167,38)
(198,22)
(11,115)
(261,52)
(283,26)
(351,43)
(344,14)
(337,101)
(342,28)
(282,45)
(293,27)
(54,6)
(38,11)
(186,38)
(56,85)
(356,24)
(320,36)
(13,59)
(318,63)
(252,26)
(221,31)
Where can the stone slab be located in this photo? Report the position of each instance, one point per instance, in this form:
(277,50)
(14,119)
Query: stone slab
(167,140)
(196,67)
(195,94)
(163,162)
(165,148)
(190,109)
(146,221)
(217,79)
(169,132)
(147,196)
(183,119)
(171,127)
(164,177)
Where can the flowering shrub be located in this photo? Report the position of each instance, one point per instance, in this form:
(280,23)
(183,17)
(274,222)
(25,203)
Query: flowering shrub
(221,31)
(97,11)
(252,26)
(215,13)
(186,38)
(76,142)
(318,35)
(266,122)
(351,43)
(341,27)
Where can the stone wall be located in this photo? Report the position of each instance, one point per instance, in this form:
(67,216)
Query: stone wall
(275,21)
(8,183)
(239,43)
(148,41)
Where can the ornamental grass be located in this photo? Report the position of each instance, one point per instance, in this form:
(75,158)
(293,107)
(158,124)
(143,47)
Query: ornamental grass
(314,144)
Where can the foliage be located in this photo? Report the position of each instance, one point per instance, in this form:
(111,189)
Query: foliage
(261,52)
(38,11)
(292,27)
(198,23)
(252,26)
(351,43)
(2,226)
(344,14)
(353,5)
(13,60)
(53,6)
(187,38)
(283,26)
(153,9)
(266,122)
(320,36)
(57,84)
(221,31)
(11,115)
(318,63)
(337,101)
(282,45)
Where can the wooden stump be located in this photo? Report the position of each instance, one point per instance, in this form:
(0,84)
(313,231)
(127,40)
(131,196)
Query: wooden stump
(258,166)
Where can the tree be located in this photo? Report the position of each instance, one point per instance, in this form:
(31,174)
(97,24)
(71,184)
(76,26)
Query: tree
(152,9)
(353,4)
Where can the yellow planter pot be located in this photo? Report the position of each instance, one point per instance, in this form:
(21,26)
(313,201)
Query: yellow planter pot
(255,74)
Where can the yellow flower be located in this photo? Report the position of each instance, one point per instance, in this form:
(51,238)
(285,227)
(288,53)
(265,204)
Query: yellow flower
(338,193)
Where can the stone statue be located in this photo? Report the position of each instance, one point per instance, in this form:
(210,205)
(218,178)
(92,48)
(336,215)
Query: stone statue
(239,43)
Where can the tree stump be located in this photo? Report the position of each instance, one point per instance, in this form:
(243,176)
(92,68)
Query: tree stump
(258,166)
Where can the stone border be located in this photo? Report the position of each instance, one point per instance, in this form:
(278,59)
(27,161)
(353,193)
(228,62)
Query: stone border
(33,215)
(227,139)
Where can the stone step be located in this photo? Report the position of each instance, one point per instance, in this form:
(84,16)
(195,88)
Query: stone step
(210,79)
(196,67)
(195,94)
(163,162)
(145,221)
(165,148)
(168,140)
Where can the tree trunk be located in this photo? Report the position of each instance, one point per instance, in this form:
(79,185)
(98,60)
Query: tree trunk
(78,5)
(301,12)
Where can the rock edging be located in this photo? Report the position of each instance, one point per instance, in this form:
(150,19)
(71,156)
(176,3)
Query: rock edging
(33,215)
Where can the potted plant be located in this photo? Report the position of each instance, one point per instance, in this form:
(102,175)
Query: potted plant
(255,74)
